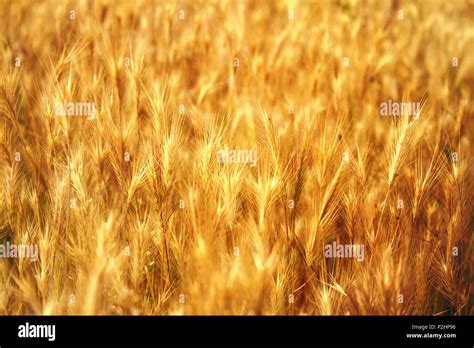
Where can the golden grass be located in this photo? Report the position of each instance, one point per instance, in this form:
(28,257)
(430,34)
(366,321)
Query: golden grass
(134,214)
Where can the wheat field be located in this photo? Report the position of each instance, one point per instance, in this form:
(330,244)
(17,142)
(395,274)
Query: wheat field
(191,157)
